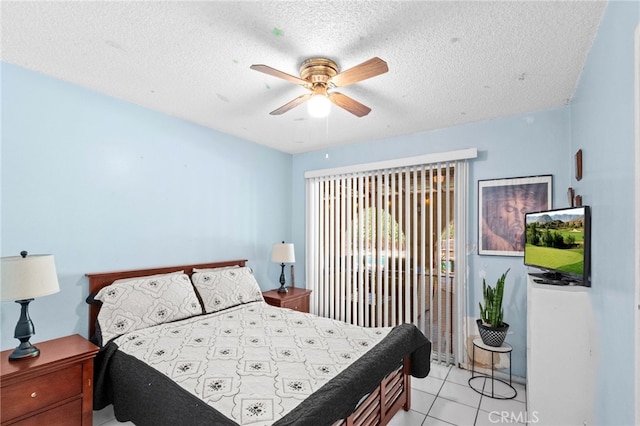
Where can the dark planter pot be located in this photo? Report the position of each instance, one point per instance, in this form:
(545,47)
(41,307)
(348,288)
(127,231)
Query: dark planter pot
(492,336)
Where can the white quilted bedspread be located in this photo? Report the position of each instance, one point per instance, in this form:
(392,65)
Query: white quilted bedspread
(253,363)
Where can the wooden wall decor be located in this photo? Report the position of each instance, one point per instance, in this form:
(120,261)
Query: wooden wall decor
(579,164)
(570,195)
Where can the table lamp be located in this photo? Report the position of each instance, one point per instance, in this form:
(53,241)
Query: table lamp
(23,279)
(283,253)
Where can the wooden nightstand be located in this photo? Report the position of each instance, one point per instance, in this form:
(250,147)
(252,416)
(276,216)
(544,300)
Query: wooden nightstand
(55,388)
(296,298)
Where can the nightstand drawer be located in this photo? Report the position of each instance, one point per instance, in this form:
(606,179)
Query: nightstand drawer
(295,298)
(63,415)
(39,392)
(300,304)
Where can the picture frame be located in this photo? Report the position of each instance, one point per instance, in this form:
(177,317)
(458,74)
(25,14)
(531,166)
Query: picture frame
(502,204)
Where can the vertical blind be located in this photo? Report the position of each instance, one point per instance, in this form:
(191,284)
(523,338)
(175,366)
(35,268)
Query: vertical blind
(383,246)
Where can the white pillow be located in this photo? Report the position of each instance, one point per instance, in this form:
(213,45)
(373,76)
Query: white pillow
(223,288)
(134,303)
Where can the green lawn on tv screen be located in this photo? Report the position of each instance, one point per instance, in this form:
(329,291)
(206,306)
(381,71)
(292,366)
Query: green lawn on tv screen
(566,260)
(576,234)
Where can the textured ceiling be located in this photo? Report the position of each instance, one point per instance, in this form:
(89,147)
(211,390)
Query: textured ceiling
(449,62)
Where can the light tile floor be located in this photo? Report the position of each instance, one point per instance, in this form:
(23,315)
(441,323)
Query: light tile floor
(442,398)
(445,398)
(105,417)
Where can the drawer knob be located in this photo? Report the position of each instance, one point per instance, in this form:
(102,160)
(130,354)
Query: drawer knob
(33,394)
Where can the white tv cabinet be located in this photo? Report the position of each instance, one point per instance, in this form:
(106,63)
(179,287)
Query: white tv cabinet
(560,359)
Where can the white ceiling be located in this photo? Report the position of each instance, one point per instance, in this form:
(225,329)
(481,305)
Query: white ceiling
(449,62)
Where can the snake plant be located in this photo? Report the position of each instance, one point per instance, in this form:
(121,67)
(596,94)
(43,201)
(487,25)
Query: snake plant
(492,313)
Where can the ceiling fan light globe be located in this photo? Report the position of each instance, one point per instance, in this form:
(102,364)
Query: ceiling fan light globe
(319,106)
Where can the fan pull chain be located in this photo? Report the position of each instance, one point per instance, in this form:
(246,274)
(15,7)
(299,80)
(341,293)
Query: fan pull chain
(326,131)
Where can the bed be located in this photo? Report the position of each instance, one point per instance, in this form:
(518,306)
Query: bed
(211,351)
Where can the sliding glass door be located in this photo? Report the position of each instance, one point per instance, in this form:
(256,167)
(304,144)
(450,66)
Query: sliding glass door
(381,247)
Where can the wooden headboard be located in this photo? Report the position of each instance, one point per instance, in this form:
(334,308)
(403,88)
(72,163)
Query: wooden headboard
(99,280)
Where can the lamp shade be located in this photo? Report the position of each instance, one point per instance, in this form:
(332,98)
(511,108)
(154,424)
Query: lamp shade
(283,253)
(28,277)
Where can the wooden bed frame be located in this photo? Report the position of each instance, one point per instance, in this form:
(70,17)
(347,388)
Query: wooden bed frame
(393,393)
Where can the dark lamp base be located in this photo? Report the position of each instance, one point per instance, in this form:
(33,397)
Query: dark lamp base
(25,350)
(24,331)
(282,288)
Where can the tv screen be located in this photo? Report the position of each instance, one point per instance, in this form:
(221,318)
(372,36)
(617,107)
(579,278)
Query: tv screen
(558,242)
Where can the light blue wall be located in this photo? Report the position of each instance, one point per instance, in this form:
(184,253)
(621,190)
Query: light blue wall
(523,145)
(602,126)
(106,185)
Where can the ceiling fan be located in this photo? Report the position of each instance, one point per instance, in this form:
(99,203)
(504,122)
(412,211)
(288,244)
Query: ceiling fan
(320,75)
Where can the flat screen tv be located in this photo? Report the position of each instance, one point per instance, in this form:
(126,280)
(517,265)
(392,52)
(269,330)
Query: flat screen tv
(558,243)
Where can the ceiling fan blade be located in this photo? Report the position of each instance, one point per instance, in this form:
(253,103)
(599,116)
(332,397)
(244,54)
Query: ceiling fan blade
(290,105)
(276,73)
(351,105)
(371,68)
